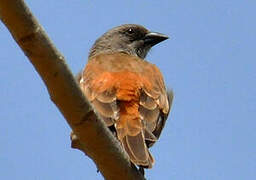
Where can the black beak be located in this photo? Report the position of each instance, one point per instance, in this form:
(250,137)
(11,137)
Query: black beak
(153,38)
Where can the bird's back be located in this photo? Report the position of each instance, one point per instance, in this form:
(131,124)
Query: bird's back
(129,94)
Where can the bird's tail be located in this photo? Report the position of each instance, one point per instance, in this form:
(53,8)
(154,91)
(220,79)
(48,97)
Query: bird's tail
(137,150)
(130,132)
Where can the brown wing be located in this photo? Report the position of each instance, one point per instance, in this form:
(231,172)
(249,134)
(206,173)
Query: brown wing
(129,94)
(155,105)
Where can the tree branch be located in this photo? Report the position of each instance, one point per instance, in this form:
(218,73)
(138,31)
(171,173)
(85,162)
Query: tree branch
(90,133)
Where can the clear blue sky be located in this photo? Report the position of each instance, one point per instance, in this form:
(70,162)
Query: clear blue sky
(209,62)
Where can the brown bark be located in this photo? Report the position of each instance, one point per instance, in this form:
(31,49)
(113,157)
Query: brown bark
(90,133)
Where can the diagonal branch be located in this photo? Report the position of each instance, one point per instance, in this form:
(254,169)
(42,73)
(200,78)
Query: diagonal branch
(90,133)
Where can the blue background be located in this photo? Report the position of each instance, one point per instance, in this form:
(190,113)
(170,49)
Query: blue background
(209,62)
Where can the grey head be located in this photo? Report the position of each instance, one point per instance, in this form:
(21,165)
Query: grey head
(131,39)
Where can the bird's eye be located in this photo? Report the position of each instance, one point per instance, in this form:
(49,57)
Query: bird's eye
(130,31)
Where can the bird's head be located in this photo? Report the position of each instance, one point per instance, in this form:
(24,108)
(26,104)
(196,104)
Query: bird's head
(129,38)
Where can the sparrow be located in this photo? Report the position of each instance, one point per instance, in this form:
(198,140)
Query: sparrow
(126,91)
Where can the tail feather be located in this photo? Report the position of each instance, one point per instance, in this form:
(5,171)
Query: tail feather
(137,150)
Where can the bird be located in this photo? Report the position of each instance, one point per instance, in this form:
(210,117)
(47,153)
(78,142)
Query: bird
(127,91)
